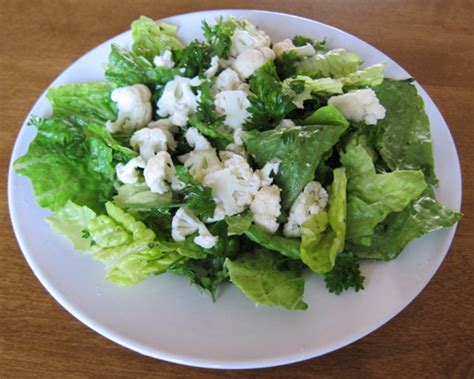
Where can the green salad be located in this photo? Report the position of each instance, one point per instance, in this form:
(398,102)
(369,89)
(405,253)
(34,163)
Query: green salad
(236,159)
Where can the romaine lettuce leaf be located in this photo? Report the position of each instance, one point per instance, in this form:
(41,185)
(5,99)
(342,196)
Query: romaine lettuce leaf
(65,164)
(335,63)
(422,216)
(268,278)
(289,247)
(300,150)
(372,197)
(301,88)
(323,234)
(368,77)
(89,101)
(239,224)
(150,38)
(405,143)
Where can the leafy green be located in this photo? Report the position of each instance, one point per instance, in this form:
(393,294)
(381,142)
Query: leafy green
(198,197)
(299,40)
(126,68)
(239,224)
(70,221)
(300,150)
(90,101)
(138,197)
(368,77)
(268,104)
(268,279)
(405,141)
(218,36)
(302,88)
(289,247)
(63,163)
(372,197)
(335,64)
(285,64)
(345,274)
(150,38)
(422,216)
(323,234)
(194,59)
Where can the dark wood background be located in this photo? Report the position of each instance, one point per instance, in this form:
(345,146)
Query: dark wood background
(433,337)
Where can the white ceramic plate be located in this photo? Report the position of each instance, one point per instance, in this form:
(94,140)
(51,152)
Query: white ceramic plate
(165,318)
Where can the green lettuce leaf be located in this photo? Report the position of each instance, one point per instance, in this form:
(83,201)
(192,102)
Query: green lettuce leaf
(89,101)
(268,278)
(301,88)
(335,63)
(323,234)
(268,103)
(150,38)
(126,68)
(300,150)
(289,247)
(63,163)
(422,216)
(239,224)
(372,197)
(405,141)
(71,221)
(368,77)
(138,197)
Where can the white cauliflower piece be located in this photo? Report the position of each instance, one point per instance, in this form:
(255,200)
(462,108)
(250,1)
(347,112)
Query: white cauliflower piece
(286,123)
(178,100)
(159,173)
(233,104)
(266,208)
(213,68)
(271,167)
(149,141)
(248,37)
(185,223)
(287,45)
(234,185)
(165,59)
(134,108)
(310,201)
(251,59)
(128,173)
(229,80)
(203,159)
(360,105)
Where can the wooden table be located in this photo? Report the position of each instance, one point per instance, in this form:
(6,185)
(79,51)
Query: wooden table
(432,337)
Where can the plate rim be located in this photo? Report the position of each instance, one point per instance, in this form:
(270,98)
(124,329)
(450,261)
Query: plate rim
(198,362)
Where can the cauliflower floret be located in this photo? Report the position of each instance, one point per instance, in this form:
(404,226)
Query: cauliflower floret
(128,173)
(286,124)
(251,59)
(165,59)
(310,201)
(270,167)
(233,186)
(229,80)
(203,159)
(159,173)
(212,70)
(152,140)
(287,45)
(178,100)
(234,105)
(134,108)
(360,105)
(266,208)
(196,140)
(248,37)
(185,223)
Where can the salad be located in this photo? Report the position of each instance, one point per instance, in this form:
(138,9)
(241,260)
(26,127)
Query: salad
(236,159)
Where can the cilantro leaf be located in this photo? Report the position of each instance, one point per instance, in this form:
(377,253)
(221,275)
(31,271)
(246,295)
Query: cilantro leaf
(300,40)
(198,197)
(286,64)
(268,104)
(194,59)
(345,274)
(218,37)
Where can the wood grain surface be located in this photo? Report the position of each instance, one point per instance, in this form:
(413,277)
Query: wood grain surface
(433,337)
